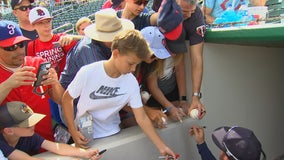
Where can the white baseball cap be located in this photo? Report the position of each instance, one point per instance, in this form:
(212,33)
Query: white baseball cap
(156,41)
(37,14)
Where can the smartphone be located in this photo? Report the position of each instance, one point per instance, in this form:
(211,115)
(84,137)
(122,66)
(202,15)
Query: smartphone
(42,70)
(102,151)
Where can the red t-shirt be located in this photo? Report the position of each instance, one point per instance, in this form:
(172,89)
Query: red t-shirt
(50,52)
(25,94)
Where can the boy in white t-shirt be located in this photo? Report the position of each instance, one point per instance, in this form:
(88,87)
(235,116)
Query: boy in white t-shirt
(105,87)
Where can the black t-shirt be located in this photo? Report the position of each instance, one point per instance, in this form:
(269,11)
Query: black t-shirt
(29,34)
(195,27)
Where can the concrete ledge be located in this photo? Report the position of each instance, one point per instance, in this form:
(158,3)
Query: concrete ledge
(132,144)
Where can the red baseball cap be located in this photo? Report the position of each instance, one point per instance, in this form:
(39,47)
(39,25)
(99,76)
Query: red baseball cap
(175,33)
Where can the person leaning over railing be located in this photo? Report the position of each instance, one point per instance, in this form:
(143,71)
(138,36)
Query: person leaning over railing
(235,143)
(19,141)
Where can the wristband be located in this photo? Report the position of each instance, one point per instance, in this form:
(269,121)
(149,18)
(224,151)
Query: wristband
(183,98)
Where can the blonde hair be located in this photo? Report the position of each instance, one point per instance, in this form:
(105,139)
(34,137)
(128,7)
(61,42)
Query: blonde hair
(157,67)
(81,21)
(131,41)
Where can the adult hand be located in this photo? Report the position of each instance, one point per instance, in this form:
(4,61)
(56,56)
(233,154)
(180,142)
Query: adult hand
(196,104)
(22,76)
(184,105)
(198,133)
(176,114)
(158,118)
(51,78)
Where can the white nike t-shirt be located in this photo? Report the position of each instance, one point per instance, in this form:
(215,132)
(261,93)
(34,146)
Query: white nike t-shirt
(103,97)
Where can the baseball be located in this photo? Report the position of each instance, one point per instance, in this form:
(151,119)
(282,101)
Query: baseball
(194,113)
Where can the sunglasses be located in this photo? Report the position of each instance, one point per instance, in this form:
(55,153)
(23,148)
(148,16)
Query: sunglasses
(14,47)
(140,2)
(24,8)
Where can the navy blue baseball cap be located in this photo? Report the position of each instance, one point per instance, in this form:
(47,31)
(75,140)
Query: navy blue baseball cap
(16,2)
(238,143)
(179,45)
(170,19)
(10,33)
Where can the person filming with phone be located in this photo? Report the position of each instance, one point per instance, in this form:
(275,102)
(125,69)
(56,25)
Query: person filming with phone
(18,74)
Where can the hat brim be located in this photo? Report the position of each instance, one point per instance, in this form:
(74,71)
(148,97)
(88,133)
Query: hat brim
(32,120)
(161,53)
(94,34)
(41,19)
(218,137)
(175,33)
(12,41)
(177,46)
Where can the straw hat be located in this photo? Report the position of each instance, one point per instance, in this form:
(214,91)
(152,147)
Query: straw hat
(107,25)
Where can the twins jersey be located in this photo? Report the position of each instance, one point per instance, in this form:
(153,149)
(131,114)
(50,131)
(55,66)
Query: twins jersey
(194,27)
(103,97)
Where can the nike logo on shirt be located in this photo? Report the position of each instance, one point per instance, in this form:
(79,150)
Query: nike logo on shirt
(94,96)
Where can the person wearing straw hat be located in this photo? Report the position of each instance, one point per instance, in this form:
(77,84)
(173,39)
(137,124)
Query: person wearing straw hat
(235,143)
(105,87)
(19,141)
(95,46)
(96,43)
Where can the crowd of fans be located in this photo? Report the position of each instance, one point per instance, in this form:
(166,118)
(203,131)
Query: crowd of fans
(97,76)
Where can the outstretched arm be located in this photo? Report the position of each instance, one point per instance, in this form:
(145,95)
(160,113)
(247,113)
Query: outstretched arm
(18,154)
(147,127)
(198,133)
(68,110)
(67,150)
(196,56)
(159,96)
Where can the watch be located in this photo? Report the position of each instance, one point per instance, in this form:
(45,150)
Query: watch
(197,94)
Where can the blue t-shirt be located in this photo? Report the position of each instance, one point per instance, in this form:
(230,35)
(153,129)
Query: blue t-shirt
(219,6)
(29,145)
